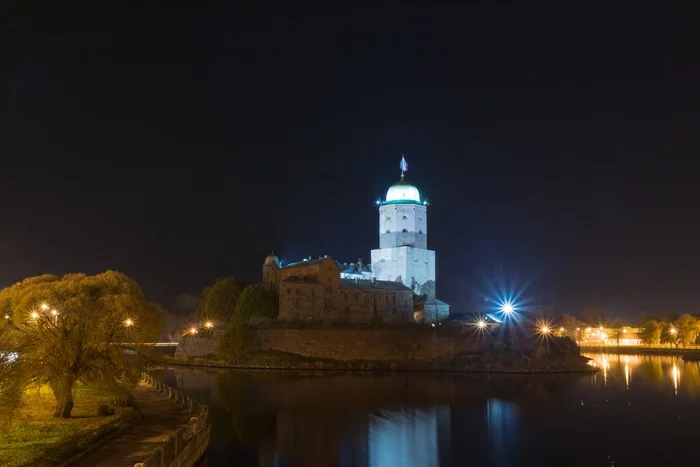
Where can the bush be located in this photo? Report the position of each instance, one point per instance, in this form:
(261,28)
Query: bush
(234,343)
(126,401)
(105,410)
(255,304)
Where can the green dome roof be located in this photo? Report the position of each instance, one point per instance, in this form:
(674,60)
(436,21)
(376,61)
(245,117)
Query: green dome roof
(403,193)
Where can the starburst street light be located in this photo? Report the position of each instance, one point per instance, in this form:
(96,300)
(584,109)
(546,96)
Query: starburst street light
(507,308)
(44,306)
(34,315)
(481,323)
(128,322)
(193,330)
(54,312)
(672,331)
(208,325)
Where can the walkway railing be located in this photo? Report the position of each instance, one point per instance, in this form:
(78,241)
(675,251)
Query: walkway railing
(188,443)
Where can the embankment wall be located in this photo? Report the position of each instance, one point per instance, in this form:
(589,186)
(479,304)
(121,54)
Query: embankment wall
(411,343)
(185,446)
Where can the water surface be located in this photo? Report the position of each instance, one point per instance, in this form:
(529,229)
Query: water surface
(637,411)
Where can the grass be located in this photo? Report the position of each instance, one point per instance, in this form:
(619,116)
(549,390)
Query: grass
(37,439)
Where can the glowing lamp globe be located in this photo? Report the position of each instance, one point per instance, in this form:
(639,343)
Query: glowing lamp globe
(507,308)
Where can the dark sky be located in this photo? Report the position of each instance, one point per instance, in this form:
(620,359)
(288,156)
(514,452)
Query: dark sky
(557,143)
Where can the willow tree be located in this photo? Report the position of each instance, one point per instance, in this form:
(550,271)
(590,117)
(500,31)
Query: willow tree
(11,389)
(74,328)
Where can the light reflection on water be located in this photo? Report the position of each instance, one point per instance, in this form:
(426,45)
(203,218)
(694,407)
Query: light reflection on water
(638,410)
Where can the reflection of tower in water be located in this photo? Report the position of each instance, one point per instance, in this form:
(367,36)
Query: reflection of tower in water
(407,438)
(501,418)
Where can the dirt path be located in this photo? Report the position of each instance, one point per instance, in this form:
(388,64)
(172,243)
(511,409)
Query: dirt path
(160,416)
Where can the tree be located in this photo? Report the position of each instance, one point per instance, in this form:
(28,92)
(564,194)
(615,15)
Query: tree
(219,300)
(671,334)
(573,326)
(72,328)
(651,332)
(11,389)
(617,329)
(255,302)
(687,327)
(234,343)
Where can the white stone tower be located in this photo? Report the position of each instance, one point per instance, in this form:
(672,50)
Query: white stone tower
(403,254)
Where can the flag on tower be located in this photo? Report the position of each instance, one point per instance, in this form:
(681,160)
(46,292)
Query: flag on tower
(404,164)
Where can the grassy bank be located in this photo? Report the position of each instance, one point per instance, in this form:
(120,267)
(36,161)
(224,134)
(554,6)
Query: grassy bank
(37,439)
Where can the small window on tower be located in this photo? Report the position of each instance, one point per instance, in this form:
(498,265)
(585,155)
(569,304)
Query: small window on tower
(405,217)
(388,231)
(420,232)
(404,230)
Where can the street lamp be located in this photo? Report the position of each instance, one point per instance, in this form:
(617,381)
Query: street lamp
(193,330)
(128,322)
(44,306)
(507,308)
(481,323)
(208,325)
(34,315)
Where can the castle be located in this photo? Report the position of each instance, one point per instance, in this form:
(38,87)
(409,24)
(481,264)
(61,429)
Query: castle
(399,286)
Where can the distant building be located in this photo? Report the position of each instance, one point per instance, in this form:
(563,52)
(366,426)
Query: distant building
(398,285)
(606,336)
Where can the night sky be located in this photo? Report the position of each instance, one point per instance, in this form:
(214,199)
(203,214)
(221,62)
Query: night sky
(557,143)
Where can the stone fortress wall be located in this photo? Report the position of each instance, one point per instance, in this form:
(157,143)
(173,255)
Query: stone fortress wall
(407,343)
(300,301)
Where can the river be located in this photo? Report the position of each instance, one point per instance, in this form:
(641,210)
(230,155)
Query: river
(637,411)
